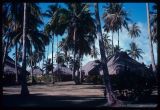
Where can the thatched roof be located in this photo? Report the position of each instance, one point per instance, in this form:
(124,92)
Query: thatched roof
(62,70)
(9,67)
(91,67)
(120,61)
(36,70)
(116,63)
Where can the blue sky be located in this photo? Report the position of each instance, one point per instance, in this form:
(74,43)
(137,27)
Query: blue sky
(137,13)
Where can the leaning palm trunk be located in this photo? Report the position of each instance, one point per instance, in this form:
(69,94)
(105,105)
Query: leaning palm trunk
(16,64)
(24,89)
(110,96)
(74,38)
(32,57)
(150,40)
(118,38)
(158,51)
(52,61)
(112,44)
(78,77)
(5,53)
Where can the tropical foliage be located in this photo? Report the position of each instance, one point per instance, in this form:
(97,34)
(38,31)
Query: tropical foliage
(134,31)
(134,51)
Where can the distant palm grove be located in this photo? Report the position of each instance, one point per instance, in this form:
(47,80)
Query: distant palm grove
(24,32)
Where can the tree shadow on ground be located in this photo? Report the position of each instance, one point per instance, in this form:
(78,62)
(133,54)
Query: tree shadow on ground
(36,100)
(39,100)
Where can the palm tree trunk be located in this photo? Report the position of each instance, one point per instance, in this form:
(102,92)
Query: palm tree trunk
(158,51)
(52,58)
(74,38)
(111,97)
(59,77)
(112,44)
(150,40)
(5,53)
(16,63)
(31,65)
(47,52)
(24,89)
(118,38)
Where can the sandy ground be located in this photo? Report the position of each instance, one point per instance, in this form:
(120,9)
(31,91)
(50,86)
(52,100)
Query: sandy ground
(63,94)
(59,88)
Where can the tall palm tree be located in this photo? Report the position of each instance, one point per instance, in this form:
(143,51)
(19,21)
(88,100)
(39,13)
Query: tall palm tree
(24,89)
(117,17)
(107,45)
(134,31)
(94,52)
(51,27)
(153,15)
(27,38)
(108,23)
(6,31)
(111,97)
(65,48)
(76,20)
(134,51)
(150,39)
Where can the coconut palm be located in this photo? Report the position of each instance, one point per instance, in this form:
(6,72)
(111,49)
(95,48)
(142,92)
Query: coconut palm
(94,52)
(117,49)
(111,97)
(76,20)
(150,39)
(24,88)
(117,18)
(134,51)
(134,31)
(153,15)
(47,66)
(51,27)
(28,36)
(108,46)
(6,31)
(65,48)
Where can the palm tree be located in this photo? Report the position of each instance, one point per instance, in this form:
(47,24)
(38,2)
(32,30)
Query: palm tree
(153,23)
(47,66)
(117,49)
(107,45)
(117,18)
(28,34)
(60,58)
(150,39)
(111,97)
(77,21)
(134,31)
(108,23)
(24,90)
(94,52)
(6,31)
(134,51)
(65,48)
(52,26)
